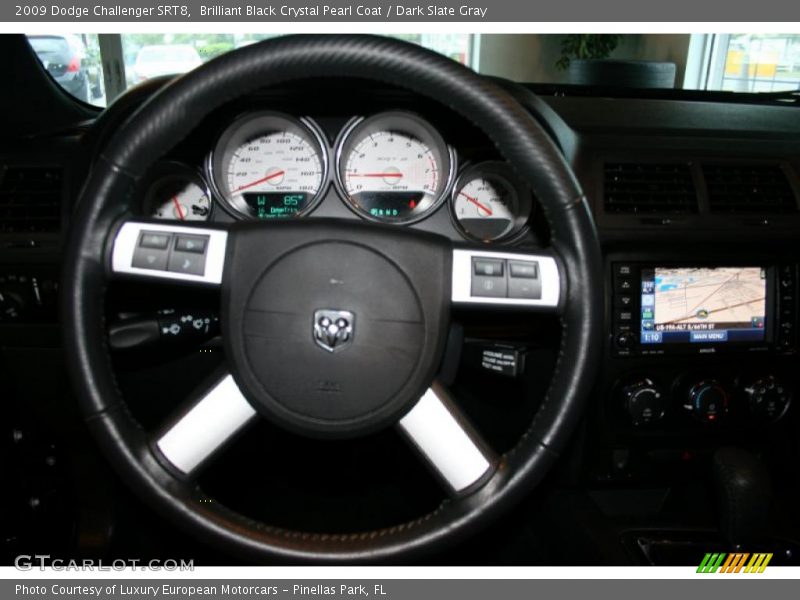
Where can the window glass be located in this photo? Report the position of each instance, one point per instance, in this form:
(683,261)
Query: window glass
(761,63)
(73,60)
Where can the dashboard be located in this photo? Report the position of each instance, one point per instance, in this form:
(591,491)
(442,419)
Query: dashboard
(670,184)
(400,165)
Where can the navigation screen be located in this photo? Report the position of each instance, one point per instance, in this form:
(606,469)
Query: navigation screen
(718,305)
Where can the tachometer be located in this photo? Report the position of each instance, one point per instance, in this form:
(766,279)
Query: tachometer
(393,167)
(270,166)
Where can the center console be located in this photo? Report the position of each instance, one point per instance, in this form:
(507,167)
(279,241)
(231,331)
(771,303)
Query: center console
(700,354)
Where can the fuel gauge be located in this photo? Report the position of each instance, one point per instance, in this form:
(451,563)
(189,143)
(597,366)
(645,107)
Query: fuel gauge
(488,203)
(178,193)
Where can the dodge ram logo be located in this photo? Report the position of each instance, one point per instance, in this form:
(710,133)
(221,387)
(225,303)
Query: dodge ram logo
(333,329)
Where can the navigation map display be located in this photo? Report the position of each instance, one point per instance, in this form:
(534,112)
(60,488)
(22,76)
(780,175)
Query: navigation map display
(703,305)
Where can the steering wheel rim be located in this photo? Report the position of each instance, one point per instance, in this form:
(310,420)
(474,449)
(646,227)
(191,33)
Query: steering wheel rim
(166,119)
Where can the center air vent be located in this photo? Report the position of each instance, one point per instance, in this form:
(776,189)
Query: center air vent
(749,189)
(649,188)
(30,199)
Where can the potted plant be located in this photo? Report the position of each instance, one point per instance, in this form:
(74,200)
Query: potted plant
(585,58)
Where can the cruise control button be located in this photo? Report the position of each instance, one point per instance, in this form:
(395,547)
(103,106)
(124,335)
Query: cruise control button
(489,287)
(521,287)
(488,267)
(154,239)
(191,243)
(189,263)
(149,258)
(525,269)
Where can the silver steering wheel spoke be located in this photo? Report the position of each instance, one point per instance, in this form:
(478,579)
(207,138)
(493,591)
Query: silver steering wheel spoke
(169,252)
(448,443)
(204,426)
(518,280)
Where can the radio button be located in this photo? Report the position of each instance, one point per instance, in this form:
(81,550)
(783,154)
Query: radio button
(623,316)
(622,270)
(623,301)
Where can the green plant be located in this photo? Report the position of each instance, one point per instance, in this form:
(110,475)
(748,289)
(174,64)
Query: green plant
(213,50)
(586,45)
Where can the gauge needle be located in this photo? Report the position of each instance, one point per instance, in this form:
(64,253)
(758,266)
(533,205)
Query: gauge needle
(374,174)
(178,208)
(485,209)
(257,181)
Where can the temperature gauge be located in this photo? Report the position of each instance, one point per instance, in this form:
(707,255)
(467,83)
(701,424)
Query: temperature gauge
(488,204)
(178,194)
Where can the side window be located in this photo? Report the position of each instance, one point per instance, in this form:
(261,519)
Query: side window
(73,60)
(76,61)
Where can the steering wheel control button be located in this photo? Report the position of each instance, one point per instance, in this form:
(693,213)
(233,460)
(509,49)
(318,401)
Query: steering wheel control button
(154,239)
(500,278)
(488,268)
(489,287)
(189,263)
(191,243)
(523,270)
(524,287)
(152,251)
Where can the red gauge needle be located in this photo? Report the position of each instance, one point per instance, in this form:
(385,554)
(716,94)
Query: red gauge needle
(257,181)
(178,208)
(374,174)
(483,207)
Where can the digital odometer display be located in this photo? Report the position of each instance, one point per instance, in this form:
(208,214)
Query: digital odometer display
(703,305)
(269,165)
(276,205)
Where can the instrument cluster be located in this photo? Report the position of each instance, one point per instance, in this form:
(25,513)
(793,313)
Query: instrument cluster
(391,167)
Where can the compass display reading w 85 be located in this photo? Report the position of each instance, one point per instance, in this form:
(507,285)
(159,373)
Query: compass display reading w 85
(269,165)
(703,305)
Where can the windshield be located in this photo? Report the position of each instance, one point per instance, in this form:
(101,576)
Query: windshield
(736,62)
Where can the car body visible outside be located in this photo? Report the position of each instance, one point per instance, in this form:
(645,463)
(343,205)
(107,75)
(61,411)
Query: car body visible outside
(64,56)
(164,59)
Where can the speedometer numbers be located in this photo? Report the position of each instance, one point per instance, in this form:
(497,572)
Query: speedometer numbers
(393,167)
(269,166)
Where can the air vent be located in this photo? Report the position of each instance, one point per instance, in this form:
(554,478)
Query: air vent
(30,199)
(649,188)
(749,189)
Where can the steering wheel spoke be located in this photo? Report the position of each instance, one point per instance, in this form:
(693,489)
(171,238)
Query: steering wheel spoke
(204,426)
(447,441)
(519,280)
(169,252)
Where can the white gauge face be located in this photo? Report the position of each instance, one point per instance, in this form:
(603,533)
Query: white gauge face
(177,199)
(276,174)
(393,167)
(269,166)
(485,207)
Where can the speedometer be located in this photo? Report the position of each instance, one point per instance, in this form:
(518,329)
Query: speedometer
(269,166)
(393,167)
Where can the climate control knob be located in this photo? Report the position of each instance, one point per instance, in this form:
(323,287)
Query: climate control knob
(768,398)
(708,400)
(644,401)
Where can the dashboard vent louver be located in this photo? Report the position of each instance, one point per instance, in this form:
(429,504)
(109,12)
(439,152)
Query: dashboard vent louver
(649,188)
(30,199)
(749,189)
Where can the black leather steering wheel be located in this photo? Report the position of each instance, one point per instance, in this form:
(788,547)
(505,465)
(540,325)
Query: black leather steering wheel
(359,289)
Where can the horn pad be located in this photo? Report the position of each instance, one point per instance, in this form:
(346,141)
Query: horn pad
(334,329)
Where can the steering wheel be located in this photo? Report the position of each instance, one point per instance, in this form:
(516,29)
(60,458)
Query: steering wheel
(364,307)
